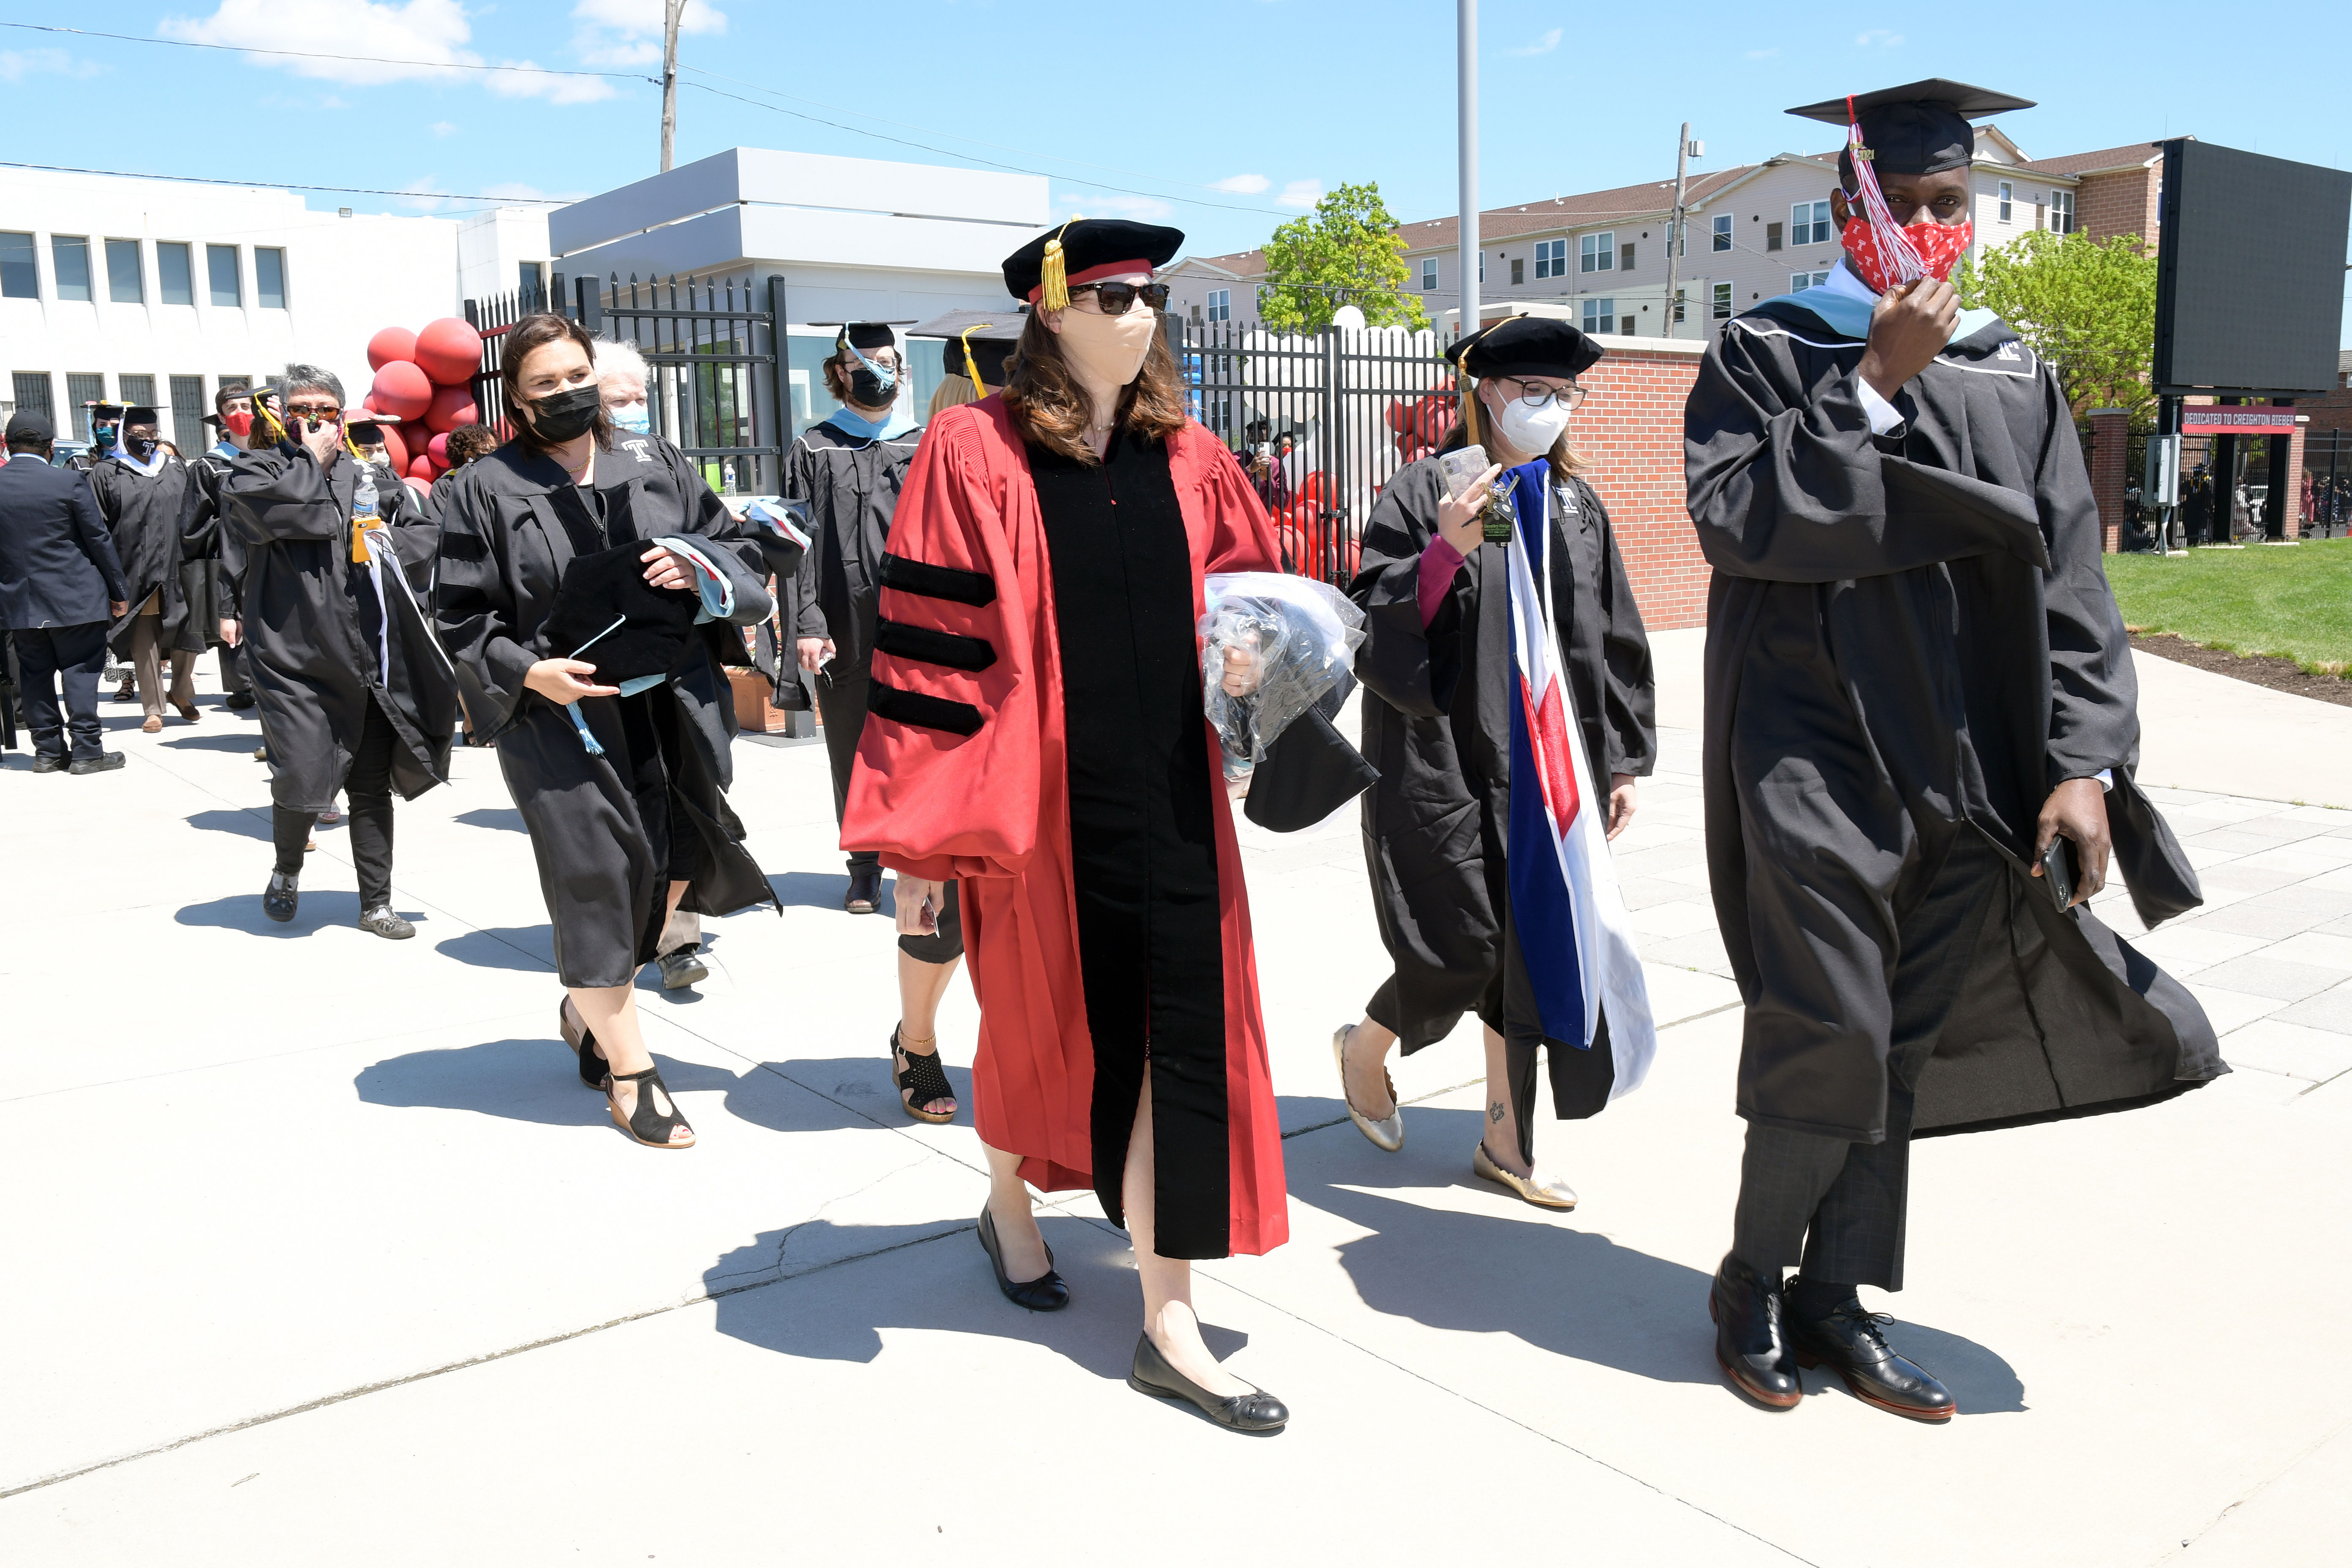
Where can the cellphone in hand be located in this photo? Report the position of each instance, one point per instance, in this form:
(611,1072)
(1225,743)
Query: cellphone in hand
(2062,868)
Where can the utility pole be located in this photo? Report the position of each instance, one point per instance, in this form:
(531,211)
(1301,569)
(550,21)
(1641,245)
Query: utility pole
(1675,242)
(671,11)
(1467,90)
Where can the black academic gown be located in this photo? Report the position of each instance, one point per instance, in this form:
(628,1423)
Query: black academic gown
(1910,635)
(601,827)
(1436,723)
(142,511)
(205,575)
(851,484)
(311,622)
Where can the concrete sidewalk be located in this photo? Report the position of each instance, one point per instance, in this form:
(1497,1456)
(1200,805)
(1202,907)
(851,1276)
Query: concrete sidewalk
(321,1253)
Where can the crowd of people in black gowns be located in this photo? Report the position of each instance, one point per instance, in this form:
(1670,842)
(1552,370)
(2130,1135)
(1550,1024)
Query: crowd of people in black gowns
(1920,731)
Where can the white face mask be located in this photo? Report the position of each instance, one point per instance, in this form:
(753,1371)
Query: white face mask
(1107,348)
(1531,430)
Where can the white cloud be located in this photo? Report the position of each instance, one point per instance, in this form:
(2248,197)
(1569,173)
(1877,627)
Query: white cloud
(1242,184)
(1542,45)
(1879,38)
(1300,194)
(1111,204)
(16,65)
(443,128)
(432,32)
(629,32)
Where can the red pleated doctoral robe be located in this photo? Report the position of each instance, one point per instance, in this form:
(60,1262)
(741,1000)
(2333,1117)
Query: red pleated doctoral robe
(963,772)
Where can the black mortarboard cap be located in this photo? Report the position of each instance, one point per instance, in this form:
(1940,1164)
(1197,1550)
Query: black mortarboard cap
(867,335)
(139,414)
(607,585)
(1084,246)
(1525,345)
(992,334)
(1920,129)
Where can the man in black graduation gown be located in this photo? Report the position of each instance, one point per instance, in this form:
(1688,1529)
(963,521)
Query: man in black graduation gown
(354,692)
(849,470)
(1917,680)
(142,493)
(205,574)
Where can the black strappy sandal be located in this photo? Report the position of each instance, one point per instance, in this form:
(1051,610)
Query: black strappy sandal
(920,1080)
(593,1070)
(646,1125)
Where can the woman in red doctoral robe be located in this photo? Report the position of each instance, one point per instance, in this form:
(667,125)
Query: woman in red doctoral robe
(1038,735)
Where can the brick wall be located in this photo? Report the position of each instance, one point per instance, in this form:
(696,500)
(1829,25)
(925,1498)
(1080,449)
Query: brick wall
(1629,431)
(2120,203)
(2109,447)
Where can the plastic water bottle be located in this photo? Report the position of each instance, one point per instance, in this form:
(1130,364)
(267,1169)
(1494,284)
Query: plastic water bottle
(363,498)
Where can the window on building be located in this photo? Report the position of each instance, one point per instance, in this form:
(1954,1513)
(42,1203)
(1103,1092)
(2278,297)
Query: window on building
(1482,266)
(1722,233)
(2008,201)
(1722,308)
(139,391)
(1218,414)
(1221,304)
(1800,281)
(1428,273)
(269,278)
(532,279)
(1519,269)
(1597,253)
(31,389)
(1772,236)
(188,415)
(82,389)
(1681,306)
(1625,257)
(69,265)
(20,275)
(1809,224)
(226,288)
(1551,258)
(124,285)
(2061,211)
(1601,315)
(175,272)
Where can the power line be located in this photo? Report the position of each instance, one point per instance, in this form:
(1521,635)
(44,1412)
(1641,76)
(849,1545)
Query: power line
(303,55)
(283,185)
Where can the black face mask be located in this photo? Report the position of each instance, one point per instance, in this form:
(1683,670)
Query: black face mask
(142,447)
(566,415)
(868,390)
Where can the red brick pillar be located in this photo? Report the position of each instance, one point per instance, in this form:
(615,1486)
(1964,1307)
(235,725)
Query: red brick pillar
(2110,472)
(2294,512)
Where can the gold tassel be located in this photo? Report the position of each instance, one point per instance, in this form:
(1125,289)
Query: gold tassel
(970,364)
(1051,276)
(1470,411)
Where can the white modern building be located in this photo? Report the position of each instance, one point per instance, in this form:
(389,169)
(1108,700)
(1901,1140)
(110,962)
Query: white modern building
(156,291)
(854,240)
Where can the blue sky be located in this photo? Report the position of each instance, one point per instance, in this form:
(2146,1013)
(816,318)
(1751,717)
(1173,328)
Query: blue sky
(1223,117)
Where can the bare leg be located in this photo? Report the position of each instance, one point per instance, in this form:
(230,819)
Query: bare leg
(1502,1121)
(1367,1056)
(1022,1243)
(920,987)
(1167,1281)
(611,1014)
(677,892)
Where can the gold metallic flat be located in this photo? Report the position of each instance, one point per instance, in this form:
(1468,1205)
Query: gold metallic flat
(1387,1133)
(1544,1191)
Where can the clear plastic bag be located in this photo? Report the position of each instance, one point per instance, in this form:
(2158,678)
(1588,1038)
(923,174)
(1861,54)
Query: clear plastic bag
(1299,637)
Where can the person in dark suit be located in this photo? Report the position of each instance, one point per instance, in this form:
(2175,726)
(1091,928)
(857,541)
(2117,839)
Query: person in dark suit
(60,585)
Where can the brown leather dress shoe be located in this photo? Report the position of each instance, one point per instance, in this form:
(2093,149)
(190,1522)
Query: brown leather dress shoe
(188,712)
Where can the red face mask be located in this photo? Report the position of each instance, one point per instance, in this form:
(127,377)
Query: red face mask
(1938,248)
(237,425)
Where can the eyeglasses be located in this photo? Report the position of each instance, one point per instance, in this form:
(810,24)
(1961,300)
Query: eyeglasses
(1119,299)
(1537,397)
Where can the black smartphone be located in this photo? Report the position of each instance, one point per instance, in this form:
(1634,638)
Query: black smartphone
(2062,868)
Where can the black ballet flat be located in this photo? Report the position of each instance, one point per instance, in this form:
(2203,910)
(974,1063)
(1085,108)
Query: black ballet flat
(647,1124)
(594,1071)
(1256,1411)
(1047,1293)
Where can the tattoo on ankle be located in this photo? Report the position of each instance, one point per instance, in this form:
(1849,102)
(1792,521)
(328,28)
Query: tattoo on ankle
(1494,1112)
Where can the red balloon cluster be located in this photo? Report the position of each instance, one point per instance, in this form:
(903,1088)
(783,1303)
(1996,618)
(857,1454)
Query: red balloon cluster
(423,380)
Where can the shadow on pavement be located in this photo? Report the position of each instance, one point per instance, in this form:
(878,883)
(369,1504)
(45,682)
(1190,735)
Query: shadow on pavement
(243,824)
(813,889)
(242,912)
(530,949)
(502,819)
(216,742)
(866,1082)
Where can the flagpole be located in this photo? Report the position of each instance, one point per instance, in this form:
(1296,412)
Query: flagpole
(1466,93)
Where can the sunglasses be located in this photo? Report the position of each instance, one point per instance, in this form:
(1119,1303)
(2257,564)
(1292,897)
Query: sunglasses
(1119,299)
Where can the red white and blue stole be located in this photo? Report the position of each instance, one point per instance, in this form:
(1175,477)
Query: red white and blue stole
(1566,905)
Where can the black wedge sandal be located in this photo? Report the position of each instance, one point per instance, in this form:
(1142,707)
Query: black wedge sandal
(646,1125)
(593,1069)
(920,1080)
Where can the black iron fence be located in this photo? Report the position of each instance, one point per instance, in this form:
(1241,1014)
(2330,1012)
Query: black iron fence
(1320,420)
(710,349)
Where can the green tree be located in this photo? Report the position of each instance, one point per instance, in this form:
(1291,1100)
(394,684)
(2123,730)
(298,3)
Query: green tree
(1346,252)
(2087,306)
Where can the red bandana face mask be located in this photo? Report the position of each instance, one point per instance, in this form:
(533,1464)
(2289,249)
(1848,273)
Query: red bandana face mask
(1935,249)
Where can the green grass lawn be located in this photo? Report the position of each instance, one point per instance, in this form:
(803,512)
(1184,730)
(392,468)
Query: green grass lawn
(2292,601)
